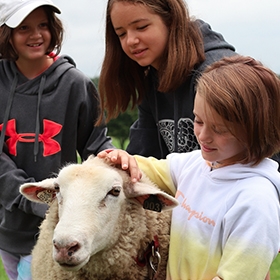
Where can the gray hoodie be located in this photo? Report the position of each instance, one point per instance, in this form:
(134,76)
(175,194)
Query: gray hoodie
(44,122)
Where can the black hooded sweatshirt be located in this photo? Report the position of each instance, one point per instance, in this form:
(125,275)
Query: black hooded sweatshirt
(44,122)
(165,120)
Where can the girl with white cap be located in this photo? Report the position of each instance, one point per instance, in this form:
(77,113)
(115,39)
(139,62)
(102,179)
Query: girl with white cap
(47,114)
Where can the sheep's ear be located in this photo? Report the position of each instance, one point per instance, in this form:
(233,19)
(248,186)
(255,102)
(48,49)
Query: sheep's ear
(41,192)
(150,197)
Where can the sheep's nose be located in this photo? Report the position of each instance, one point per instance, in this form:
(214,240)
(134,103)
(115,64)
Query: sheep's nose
(64,252)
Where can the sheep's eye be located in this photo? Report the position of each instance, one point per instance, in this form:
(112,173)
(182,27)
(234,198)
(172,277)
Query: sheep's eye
(115,191)
(56,187)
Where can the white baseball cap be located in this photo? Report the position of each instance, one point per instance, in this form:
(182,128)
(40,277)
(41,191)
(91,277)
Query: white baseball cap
(13,12)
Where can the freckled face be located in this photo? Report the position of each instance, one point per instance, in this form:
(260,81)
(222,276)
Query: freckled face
(143,35)
(216,142)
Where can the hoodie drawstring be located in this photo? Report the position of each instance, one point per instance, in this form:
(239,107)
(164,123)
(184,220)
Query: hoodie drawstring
(37,128)
(8,109)
(154,88)
(7,112)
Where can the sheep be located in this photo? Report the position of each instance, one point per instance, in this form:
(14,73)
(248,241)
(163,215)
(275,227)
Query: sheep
(97,227)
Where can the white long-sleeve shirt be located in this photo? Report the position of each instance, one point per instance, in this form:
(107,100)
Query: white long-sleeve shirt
(228,219)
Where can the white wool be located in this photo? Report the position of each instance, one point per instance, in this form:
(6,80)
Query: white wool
(93,231)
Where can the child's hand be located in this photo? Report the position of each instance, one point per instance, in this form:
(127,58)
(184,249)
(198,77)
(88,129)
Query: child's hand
(217,278)
(126,161)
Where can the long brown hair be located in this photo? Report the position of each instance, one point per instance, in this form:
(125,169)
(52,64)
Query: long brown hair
(246,95)
(56,29)
(123,80)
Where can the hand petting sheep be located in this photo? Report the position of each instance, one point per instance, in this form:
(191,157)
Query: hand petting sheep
(97,227)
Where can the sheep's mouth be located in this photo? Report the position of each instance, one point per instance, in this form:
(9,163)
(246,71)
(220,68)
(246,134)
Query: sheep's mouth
(67,265)
(73,266)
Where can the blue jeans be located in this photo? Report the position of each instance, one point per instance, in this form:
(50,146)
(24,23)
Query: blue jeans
(17,267)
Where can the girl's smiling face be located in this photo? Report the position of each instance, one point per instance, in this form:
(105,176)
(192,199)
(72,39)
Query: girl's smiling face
(142,34)
(32,37)
(216,142)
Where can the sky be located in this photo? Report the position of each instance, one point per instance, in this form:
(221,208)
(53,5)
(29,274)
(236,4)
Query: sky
(252,26)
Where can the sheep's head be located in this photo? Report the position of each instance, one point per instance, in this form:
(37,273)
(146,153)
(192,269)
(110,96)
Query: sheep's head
(91,198)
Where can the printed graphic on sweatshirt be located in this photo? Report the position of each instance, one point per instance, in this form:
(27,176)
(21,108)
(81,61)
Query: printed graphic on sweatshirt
(192,213)
(186,141)
(50,130)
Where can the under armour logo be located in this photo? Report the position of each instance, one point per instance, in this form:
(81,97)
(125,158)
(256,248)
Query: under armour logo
(50,129)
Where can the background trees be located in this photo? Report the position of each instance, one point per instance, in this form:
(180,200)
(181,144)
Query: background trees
(118,128)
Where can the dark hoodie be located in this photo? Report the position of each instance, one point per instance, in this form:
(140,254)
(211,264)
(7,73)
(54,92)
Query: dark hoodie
(165,121)
(46,121)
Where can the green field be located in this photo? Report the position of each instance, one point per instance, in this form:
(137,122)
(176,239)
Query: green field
(274,271)
(3,275)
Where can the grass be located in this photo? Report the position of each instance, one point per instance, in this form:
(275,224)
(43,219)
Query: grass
(274,271)
(3,275)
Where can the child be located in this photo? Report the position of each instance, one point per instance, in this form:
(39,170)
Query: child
(47,115)
(154,51)
(227,225)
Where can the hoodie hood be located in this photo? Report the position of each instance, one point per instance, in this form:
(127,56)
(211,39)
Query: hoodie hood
(267,168)
(40,85)
(212,40)
(52,74)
